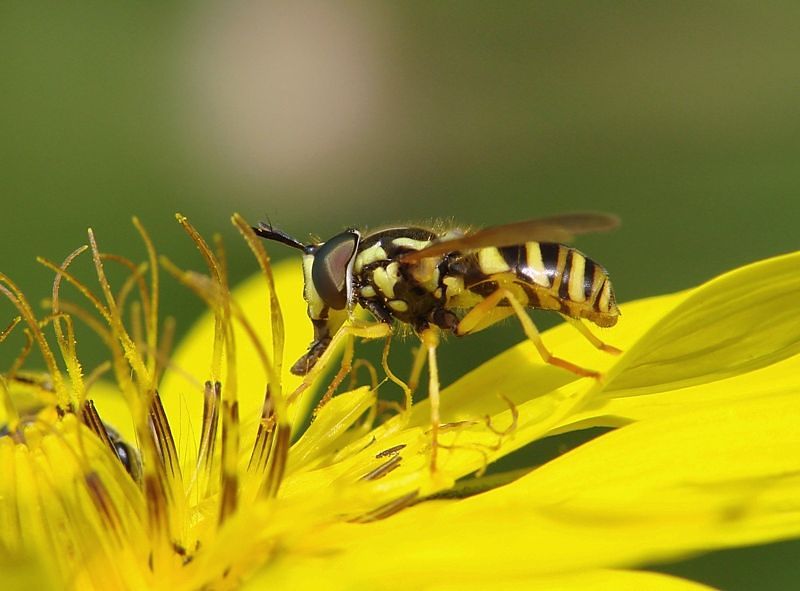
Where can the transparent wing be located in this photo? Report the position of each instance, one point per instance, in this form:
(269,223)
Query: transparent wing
(559,228)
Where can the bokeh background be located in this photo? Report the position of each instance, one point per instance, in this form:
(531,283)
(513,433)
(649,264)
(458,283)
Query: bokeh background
(681,117)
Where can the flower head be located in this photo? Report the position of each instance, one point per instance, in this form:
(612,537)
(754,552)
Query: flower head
(192,470)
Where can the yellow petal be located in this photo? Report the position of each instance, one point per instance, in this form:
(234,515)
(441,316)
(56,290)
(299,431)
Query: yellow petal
(738,323)
(596,580)
(660,489)
(182,387)
(281,577)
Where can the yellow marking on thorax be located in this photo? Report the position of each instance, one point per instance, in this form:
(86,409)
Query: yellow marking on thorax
(385,278)
(398,305)
(490,261)
(370,255)
(576,278)
(454,285)
(534,259)
(411,243)
(368,291)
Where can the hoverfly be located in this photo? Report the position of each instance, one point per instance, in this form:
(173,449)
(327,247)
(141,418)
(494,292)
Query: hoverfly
(458,282)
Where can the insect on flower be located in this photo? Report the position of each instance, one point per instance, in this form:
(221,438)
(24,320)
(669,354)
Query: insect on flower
(36,404)
(458,282)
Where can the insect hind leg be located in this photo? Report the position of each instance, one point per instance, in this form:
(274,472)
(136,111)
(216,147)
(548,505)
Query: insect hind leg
(590,336)
(477,314)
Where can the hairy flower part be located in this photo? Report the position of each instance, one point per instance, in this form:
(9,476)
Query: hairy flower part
(192,470)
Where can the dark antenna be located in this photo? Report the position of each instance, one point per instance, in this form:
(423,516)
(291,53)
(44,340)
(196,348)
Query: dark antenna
(265,230)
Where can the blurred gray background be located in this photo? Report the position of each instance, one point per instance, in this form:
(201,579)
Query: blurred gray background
(681,117)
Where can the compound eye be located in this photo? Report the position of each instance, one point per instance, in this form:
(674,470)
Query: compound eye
(330,268)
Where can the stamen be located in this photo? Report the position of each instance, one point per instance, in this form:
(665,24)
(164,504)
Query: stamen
(208,436)
(388,509)
(23,354)
(91,418)
(9,289)
(152,312)
(391,451)
(230,449)
(85,316)
(391,464)
(7,330)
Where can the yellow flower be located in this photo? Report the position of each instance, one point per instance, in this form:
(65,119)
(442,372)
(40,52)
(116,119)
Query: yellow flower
(220,488)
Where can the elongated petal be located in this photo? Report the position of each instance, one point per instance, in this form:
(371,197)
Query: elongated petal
(723,476)
(192,358)
(741,322)
(595,580)
(598,580)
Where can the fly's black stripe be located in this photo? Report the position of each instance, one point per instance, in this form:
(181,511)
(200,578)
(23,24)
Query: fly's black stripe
(530,293)
(589,271)
(514,256)
(596,302)
(484,288)
(563,288)
(549,252)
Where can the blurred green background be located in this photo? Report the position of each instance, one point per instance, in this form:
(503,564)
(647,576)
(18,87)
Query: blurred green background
(681,117)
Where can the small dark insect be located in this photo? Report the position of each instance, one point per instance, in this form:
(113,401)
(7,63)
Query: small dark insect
(127,454)
(458,282)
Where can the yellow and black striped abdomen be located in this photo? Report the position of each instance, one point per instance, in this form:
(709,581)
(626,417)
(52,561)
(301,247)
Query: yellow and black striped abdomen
(553,277)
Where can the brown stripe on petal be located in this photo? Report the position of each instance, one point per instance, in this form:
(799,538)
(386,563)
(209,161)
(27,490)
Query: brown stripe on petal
(101,499)
(230,447)
(278,457)
(388,509)
(391,464)
(165,443)
(156,502)
(391,451)
(265,435)
(212,395)
(91,418)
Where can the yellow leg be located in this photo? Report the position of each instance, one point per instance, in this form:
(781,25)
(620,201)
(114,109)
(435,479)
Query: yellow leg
(533,335)
(584,330)
(479,312)
(407,391)
(416,369)
(344,369)
(347,332)
(430,340)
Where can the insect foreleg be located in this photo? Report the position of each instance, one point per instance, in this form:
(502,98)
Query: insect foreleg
(344,369)
(477,315)
(407,391)
(430,341)
(345,333)
(416,369)
(592,338)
